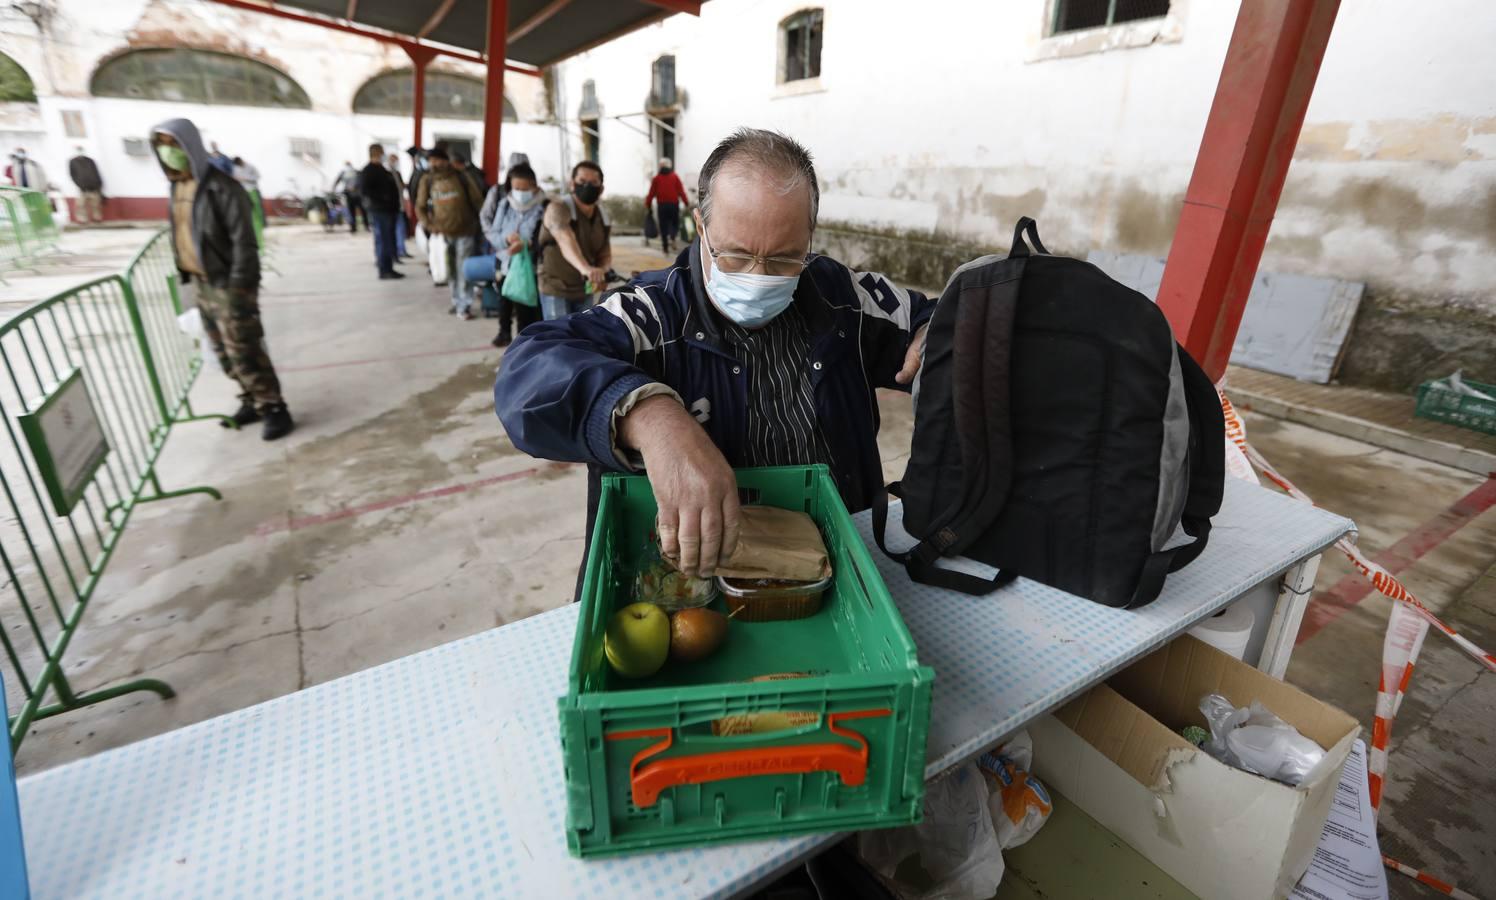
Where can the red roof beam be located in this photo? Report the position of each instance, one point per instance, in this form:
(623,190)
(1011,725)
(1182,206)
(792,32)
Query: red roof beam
(370,33)
(689,7)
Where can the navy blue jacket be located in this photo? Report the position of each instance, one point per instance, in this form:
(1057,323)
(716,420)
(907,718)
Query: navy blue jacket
(560,380)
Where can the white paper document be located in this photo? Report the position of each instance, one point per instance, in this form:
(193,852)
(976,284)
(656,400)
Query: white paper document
(1348,862)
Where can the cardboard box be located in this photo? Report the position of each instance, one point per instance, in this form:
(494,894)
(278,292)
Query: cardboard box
(1117,753)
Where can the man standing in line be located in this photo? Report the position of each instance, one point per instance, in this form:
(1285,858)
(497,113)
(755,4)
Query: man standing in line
(249,178)
(85,174)
(382,196)
(575,247)
(347,185)
(669,196)
(468,170)
(26,172)
(402,227)
(448,204)
(213,240)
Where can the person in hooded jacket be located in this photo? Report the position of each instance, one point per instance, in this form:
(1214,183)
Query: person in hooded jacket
(218,259)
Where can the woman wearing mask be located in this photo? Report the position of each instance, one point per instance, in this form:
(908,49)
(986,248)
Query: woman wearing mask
(514,224)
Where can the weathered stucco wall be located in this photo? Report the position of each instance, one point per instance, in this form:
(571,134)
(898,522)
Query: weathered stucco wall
(933,133)
(330,66)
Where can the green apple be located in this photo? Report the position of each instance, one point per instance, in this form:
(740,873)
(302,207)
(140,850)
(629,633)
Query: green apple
(637,640)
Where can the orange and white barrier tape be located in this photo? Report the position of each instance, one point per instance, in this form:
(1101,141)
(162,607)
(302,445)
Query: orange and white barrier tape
(1425,878)
(1407,626)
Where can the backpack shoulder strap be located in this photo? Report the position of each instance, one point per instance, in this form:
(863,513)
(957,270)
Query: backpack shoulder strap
(982,401)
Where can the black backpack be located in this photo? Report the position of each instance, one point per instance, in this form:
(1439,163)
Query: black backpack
(1060,434)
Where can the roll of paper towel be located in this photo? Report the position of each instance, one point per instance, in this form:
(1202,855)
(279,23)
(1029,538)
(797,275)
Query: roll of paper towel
(1228,630)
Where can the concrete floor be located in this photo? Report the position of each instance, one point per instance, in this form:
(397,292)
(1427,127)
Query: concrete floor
(399,517)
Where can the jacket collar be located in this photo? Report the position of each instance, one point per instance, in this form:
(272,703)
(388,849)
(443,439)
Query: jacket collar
(705,319)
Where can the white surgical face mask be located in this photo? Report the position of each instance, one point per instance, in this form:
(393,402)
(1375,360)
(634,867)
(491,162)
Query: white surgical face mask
(519,197)
(748,299)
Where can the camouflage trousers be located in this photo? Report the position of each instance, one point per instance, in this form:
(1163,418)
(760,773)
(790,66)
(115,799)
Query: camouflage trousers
(231,319)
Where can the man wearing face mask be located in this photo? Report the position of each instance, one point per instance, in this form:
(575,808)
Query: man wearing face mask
(574,248)
(749,351)
(218,260)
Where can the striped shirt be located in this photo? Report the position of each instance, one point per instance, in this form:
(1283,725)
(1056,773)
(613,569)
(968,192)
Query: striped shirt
(782,429)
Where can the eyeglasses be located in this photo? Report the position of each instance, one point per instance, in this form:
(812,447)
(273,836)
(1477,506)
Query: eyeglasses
(738,263)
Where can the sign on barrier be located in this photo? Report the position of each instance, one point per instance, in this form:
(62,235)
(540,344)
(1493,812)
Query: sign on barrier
(66,441)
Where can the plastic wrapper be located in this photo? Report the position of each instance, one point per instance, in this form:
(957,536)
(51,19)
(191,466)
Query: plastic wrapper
(1019,803)
(660,583)
(191,324)
(956,842)
(1254,740)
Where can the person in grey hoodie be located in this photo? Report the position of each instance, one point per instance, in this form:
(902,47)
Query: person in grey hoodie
(217,256)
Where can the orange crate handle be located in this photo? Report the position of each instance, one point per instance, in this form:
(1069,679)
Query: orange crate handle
(649,779)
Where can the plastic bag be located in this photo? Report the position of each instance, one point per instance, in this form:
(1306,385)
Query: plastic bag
(1254,740)
(436,257)
(1019,804)
(191,323)
(956,842)
(519,281)
(1456,383)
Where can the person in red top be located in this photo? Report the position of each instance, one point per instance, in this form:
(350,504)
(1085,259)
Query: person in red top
(669,195)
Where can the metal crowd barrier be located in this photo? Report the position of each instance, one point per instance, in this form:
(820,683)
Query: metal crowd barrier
(27,227)
(94,380)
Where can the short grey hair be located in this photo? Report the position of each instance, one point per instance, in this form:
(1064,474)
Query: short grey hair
(770,153)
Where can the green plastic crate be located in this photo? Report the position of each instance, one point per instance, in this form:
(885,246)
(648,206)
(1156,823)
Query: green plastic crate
(1458,409)
(867,688)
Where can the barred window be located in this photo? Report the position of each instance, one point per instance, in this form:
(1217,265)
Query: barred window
(800,45)
(662,83)
(448,96)
(197,76)
(1076,15)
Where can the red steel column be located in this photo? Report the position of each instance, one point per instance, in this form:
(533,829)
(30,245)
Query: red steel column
(493,100)
(1254,123)
(419,57)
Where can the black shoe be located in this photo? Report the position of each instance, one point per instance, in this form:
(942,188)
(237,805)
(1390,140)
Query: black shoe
(387,276)
(503,339)
(247,415)
(278,423)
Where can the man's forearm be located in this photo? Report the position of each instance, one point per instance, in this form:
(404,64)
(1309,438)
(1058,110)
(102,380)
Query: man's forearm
(653,419)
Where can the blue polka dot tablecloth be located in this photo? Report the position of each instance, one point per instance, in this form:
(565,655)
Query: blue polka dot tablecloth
(439,775)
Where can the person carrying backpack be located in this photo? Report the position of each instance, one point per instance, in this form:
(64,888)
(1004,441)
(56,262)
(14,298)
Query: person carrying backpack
(515,224)
(448,204)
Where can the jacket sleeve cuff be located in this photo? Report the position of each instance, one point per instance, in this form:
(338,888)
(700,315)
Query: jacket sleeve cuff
(599,433)
(630,460)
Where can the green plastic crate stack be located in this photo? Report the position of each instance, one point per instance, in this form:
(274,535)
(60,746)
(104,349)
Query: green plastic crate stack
(643,768)
(1443,404)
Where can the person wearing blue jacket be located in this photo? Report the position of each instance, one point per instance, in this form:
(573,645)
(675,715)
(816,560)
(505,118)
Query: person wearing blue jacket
(749,351)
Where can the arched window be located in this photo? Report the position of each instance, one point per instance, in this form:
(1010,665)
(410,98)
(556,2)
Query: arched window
(800,46)
(448,96)
(197,76)
(15,84)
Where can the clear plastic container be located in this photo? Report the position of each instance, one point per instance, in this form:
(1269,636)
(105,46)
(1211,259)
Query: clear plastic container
(766,600)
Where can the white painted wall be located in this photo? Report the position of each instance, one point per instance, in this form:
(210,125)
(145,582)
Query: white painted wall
(329,66)
(961,116)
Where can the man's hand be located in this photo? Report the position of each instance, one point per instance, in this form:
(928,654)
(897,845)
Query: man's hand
(599,278)
(694,487)
(912,358)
